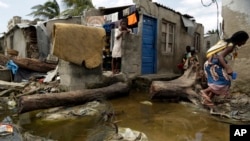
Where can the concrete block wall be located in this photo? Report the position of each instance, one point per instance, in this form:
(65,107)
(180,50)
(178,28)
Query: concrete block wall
(131,55)
(75,77)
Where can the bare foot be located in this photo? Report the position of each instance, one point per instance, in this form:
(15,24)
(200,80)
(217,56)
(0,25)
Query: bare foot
(208,104)
(204,95)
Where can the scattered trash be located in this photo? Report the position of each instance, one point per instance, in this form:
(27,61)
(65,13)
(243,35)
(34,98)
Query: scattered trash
(127,134)
(147,103)
(5,129)
(9,131)
(11,104)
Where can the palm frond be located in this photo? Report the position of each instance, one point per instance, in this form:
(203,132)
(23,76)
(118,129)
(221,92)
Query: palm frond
(48,10)
(77,6)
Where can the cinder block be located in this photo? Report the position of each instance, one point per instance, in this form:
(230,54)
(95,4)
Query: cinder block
(52,59)
(75,77)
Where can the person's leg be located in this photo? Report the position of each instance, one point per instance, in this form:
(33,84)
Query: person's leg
(119,61)
(113,65)
(205,93)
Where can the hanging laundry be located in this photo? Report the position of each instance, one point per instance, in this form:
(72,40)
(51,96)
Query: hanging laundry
(132,19)
(132,9)
(108,18)
(126,12)
(108,27)
(115,17)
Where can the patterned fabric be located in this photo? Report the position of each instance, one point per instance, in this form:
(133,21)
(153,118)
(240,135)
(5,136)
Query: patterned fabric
(217,77)
(220,89)
(216,73)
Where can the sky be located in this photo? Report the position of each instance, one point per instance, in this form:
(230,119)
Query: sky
(204,15)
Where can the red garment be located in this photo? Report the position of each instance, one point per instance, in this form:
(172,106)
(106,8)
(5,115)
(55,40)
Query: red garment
(180,66)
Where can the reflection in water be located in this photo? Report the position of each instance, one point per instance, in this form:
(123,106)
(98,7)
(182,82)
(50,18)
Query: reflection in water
(160,121)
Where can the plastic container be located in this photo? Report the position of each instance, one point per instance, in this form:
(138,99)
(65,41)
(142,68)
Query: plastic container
(234,75)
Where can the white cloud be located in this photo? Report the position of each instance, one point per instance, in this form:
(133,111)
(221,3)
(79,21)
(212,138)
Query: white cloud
(109,3)
(207,16)
(189,3)
(4,5)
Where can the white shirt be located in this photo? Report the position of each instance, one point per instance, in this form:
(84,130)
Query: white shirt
(117,49)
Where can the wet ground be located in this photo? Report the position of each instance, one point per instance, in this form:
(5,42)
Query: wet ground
(161,121)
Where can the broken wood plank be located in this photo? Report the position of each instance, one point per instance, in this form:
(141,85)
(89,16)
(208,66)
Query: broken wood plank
(8,85)
(5,92)
(44,101)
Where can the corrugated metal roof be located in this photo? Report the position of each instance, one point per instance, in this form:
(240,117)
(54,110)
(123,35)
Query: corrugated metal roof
(111,10)
(163,6)
(23,25)
(19,25)
(1,36)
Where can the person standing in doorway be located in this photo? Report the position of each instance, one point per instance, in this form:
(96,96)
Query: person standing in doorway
(116,52)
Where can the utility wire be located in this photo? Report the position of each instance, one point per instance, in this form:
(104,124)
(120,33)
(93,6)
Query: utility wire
(207,5)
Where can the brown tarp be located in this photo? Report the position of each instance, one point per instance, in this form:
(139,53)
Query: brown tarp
(78,44)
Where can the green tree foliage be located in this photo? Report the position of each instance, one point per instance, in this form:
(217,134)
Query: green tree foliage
(48,10)
(212,31)
(76,7)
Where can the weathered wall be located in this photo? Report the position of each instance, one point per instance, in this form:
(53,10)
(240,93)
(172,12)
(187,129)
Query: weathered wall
(42,41)
(236,16)
(241,84)
(168,62)
(19,42)
(131,52)
(2,45)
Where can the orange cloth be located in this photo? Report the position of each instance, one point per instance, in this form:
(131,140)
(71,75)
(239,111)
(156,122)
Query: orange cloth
(132,19)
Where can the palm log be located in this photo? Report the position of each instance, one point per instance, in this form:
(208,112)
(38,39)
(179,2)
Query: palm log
(28,63)
(181,87)
(44,101)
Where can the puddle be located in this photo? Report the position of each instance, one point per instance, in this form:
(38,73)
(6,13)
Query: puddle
(160,121)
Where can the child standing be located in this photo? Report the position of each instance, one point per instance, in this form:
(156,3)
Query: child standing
(116,52)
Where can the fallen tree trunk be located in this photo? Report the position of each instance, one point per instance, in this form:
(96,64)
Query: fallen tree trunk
(181,87)
(44,101)
(28,63)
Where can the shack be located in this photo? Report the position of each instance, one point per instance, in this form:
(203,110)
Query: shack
(160,36)
(22,38)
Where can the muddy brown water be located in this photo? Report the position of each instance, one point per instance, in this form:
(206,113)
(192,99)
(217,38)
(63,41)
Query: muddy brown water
(161,121)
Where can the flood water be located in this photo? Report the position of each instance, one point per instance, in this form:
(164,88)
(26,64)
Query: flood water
(161,121)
